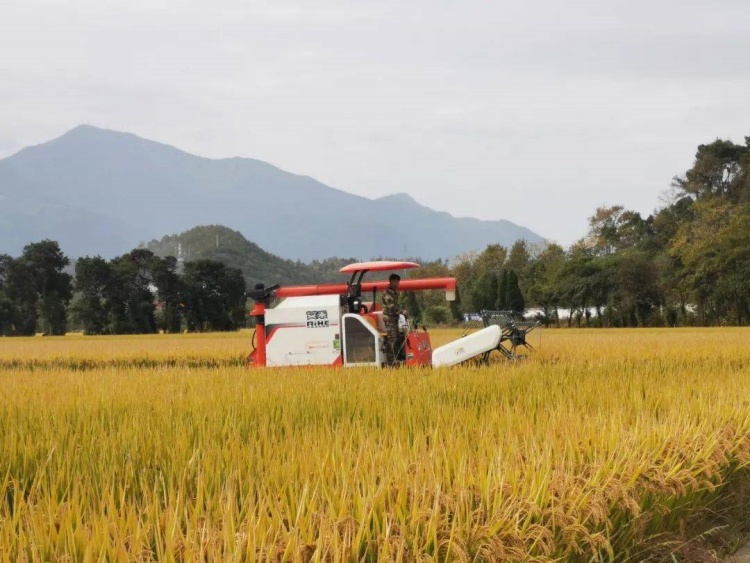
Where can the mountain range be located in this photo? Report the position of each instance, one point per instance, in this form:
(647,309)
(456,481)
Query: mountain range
(102,192)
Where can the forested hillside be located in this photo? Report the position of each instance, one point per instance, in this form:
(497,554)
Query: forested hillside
(230,247)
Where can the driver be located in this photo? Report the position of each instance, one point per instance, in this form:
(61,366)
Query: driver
(391,314)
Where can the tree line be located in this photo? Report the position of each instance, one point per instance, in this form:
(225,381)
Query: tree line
(136,293)
(688,263)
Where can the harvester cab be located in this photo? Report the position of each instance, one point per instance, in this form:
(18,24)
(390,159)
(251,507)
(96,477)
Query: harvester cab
(335,324)
(364,332)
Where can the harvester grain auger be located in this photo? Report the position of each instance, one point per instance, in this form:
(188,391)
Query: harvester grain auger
(338,325)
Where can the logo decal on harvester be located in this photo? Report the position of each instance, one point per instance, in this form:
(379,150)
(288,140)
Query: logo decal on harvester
(317,319)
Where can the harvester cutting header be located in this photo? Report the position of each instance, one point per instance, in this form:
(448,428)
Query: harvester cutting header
(343,324)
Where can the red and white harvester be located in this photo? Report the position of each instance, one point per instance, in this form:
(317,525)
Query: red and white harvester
(333,324)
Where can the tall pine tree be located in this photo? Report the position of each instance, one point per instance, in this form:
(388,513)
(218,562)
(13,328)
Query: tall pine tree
(515,300)
(502,292)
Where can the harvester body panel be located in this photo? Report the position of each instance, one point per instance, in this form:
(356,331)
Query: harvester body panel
(304,331)
(418,349)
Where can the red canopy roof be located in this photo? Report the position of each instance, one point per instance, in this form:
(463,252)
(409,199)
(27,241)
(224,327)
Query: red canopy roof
(378,266)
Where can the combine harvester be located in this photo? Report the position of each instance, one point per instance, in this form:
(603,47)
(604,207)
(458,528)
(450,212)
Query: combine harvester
(332,324)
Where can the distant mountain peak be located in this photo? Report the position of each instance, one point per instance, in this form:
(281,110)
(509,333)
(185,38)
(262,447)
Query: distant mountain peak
(399,197)
(91,138)
(91,131)
(102,191)
(85,127)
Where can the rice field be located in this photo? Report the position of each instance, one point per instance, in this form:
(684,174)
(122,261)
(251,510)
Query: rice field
(166,447)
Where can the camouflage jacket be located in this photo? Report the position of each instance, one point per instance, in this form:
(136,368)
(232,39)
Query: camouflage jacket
(390,304)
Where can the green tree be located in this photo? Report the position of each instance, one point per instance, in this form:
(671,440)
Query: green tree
(464,270)
(519,259)
(438,314)
(52,285)
(20,292)
(721,169)
(575,281)
(214,296)
(131,295)
(170,291)
(713,253)
(667,221)
(428,299)
(93,280)
(7,313)
(485,290)
(603,226)
(491,259)
(543,278)
(412,307)
(502,292)
(635,292)
(613,229)
(516,302)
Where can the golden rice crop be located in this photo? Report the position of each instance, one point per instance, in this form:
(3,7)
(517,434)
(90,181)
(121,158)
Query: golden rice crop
(163,350)
(580,452)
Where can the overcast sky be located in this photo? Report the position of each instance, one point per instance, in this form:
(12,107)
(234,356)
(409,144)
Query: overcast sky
(533,111)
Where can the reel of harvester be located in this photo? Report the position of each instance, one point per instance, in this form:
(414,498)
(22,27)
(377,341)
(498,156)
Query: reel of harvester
(514,333)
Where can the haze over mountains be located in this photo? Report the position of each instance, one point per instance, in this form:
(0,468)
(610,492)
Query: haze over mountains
(102,192)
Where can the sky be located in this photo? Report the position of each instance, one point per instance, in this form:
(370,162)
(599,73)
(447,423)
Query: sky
(534,111)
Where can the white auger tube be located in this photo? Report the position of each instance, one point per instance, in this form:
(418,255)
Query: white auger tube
(468,347)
